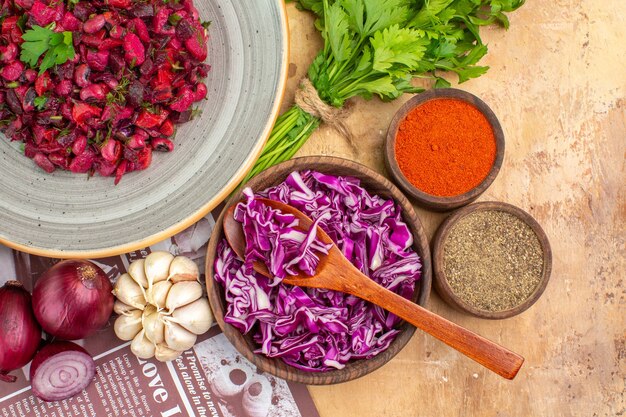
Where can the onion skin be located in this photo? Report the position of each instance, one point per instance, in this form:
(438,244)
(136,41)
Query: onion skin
(20,334)
(73,299)
(70,359)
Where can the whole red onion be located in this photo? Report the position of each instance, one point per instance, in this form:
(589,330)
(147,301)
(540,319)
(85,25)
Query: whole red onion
(20,333)
(73,299)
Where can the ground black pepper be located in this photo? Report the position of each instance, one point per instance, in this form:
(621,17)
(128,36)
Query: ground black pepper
(493,260)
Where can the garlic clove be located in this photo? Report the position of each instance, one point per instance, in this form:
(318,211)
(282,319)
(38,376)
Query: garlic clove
(157,266)
(195,317)
(183,293)
(129,292)
(177,338)
(136,271)
(157,294)
(183,269)
(142,347)
(153,325)
(121,308)
(165,354)
(128,325)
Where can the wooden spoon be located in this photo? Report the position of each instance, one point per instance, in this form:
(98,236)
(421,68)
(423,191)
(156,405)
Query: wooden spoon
(335,272)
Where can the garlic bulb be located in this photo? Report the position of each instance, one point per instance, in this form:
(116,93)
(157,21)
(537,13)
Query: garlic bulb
(161,306)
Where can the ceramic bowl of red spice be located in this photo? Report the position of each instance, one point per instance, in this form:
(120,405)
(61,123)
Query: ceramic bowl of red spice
(444,148)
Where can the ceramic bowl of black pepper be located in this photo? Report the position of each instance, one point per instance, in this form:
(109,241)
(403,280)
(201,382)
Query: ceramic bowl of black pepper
(444,148)
(491,260)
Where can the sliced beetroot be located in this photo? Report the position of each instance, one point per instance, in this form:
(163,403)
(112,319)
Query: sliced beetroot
(83,9)
(120,171)
(79,145)
(82,163)
(135,94)
(29,76)
(8,53)
(184,30)
(143,10)
(135,52)
(104,167)
(43,84)
(60,159)
(63,88)
(138,26)
(12,71)
(94,92)
(82,112)
(61,370)
(147,120)
(93,40)
(110,43)
(24,4)
(98,60)
(167,128)
(184,99)
(122,4)
(42,14)
(197,43)
(70,22)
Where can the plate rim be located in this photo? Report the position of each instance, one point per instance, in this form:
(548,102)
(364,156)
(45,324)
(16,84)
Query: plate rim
(207,207)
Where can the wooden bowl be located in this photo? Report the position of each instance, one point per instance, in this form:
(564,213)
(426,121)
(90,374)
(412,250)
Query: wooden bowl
(441,282)
(429,201)
(375,184)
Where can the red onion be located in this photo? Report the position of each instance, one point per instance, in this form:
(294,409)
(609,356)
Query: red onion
(20,333)
(61,370)
(73,299)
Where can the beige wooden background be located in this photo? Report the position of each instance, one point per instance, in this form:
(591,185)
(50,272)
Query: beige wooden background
(558,84)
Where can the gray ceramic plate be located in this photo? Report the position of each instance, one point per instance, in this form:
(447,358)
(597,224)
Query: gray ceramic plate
(69,215)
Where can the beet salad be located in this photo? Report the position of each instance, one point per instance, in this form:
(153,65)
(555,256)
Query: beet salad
(97,86)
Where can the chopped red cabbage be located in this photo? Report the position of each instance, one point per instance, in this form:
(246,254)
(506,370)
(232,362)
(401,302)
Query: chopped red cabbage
(316,329)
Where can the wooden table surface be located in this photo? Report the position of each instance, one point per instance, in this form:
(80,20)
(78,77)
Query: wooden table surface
(558,85)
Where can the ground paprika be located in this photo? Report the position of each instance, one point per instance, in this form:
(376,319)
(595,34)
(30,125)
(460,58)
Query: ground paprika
(445,147)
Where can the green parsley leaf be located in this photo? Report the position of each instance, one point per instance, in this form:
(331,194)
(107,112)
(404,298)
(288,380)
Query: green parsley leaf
(58,47)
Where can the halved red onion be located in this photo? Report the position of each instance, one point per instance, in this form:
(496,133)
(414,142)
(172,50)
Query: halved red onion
(61,370)
(73,299)
(20,333)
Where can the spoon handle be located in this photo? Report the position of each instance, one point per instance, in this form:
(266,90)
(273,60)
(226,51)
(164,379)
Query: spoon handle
(489,354)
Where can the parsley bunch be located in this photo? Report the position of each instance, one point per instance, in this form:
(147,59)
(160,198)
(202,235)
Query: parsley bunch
(376,47)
